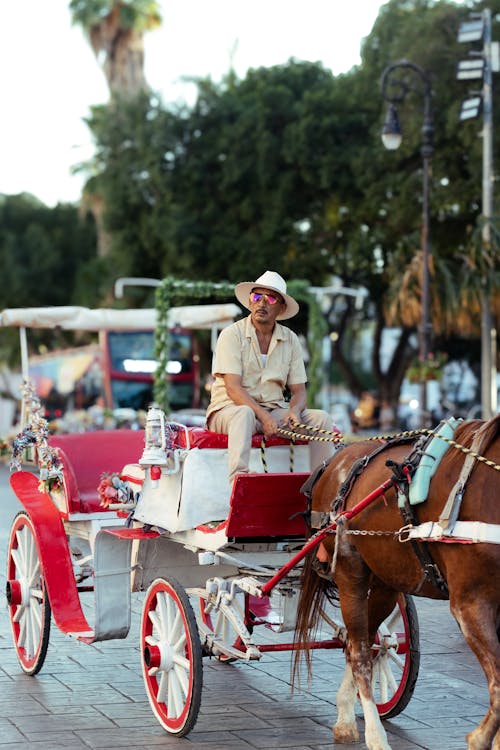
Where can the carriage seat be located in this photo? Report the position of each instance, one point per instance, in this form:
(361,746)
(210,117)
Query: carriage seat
(86,456)
(198,437)
(198,492)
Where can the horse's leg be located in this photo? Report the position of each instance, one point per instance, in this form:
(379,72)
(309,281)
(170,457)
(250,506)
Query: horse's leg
(381,603)
(346,730)
(477,619)
(360,656)
(352,578)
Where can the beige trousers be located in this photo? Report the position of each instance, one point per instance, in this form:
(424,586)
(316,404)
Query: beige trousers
(239,423)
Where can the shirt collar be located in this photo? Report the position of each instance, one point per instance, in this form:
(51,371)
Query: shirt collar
(278,332)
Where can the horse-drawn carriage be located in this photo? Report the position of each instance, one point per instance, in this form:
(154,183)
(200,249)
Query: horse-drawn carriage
(123,511)
(215,565)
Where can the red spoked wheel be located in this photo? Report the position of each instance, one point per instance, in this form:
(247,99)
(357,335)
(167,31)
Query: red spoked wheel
(171,656)
(27,599)
(396,659)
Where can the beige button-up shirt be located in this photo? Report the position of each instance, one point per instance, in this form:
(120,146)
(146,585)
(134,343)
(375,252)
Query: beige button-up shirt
(238,353)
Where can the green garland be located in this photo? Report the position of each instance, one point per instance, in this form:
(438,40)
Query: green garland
(173,292)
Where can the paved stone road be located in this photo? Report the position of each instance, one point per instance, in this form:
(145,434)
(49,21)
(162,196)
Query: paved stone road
(93,696)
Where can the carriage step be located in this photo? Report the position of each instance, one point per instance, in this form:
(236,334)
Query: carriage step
(250,585)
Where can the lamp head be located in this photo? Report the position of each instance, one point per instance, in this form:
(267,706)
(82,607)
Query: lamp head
(391,132)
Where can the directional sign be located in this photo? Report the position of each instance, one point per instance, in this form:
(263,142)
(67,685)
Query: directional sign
(469,69)
(470,108)
(470,31)
(495,57)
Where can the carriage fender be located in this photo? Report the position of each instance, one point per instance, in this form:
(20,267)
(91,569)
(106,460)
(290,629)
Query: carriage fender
(110,557)
(431,458)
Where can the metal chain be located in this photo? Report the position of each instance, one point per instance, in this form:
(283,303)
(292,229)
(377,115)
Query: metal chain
(338,438)
(366,532)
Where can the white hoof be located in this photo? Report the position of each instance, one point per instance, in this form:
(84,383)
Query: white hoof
(346,732)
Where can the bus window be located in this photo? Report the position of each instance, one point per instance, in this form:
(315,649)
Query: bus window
(131,365)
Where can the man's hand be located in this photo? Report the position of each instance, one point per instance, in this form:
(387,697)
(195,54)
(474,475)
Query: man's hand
(297,404)
(269,425)
(290,419)
(293,418)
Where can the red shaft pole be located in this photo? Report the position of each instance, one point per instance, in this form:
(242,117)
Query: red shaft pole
(321,535)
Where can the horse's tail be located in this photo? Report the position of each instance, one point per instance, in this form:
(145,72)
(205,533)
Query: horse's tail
(313,592)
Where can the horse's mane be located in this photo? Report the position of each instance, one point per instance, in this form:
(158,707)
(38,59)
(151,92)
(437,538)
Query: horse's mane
(467,431)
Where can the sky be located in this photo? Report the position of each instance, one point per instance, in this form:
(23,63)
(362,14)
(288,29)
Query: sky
(50,77)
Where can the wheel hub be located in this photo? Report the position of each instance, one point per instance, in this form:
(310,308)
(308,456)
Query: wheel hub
(17,592)
(159,656)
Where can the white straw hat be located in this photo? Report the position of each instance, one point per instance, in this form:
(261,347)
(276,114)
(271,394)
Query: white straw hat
(275,283)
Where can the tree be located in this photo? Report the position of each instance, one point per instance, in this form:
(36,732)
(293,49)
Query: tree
(115,30)
(47,257)
(425,32)
(285,169)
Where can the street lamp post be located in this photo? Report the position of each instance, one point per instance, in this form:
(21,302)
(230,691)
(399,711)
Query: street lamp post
(394,90)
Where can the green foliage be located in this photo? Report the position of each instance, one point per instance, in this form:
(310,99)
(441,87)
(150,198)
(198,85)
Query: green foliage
(140,15)
(317,329)
(43,252)
(131,172)
(245,174)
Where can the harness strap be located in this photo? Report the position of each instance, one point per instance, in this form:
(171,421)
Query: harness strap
(430,571)
(450,512)
(320,519)
(471,532)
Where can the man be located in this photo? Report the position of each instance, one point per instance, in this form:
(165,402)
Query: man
(255,360)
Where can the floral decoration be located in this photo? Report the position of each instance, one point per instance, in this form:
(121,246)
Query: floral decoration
(36,433)
(112,489)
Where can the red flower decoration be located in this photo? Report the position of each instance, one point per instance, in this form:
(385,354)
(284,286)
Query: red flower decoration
(108,493)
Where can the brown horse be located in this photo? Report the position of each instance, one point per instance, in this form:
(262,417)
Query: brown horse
(371,570)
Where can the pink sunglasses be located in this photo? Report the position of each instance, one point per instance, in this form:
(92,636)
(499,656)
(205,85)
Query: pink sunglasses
(257,296)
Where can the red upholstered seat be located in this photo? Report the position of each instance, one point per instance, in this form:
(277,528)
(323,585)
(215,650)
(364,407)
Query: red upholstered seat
(86,456)
(201,438)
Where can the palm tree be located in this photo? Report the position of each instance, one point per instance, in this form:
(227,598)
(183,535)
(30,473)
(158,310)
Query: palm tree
(115,30)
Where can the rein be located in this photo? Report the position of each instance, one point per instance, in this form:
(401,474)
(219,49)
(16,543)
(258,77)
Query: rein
(292,435)
(263,454)
(336,437)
